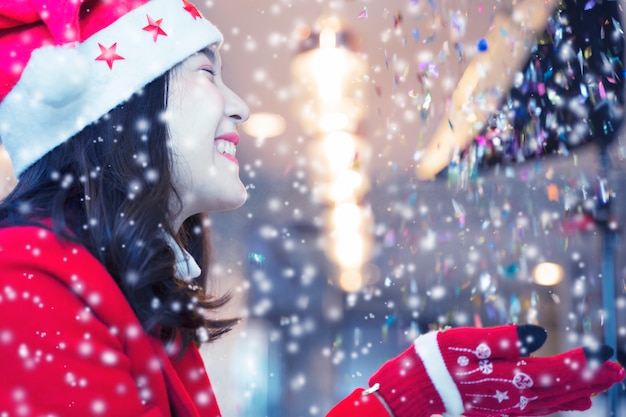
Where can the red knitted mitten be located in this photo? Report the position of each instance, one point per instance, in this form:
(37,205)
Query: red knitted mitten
(485,372)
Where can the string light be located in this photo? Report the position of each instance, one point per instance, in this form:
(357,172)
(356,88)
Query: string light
(329,79)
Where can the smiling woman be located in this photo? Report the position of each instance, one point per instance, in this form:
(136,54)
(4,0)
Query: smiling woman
(203,115)
(103,241)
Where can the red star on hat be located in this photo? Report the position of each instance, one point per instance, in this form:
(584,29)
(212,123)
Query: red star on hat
(108,54)
(154,27)
(193,11)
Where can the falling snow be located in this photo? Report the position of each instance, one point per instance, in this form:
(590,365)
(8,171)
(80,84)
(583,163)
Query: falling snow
(456,251)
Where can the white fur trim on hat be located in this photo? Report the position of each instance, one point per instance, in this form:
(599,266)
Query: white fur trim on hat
(64,88)
(427,348)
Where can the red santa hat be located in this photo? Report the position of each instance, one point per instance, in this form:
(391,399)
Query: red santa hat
(66,63)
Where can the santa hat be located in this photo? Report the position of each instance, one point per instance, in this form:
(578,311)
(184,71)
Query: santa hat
(66,63)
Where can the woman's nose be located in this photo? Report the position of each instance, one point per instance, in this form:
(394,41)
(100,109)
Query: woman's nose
(236,108)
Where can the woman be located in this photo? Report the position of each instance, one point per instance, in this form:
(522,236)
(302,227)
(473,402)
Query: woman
(123,134)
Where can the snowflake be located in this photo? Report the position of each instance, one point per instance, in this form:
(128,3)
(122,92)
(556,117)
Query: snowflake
(486,367)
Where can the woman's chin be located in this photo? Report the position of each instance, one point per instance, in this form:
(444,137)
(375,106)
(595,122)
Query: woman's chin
(238,204)
(233,203)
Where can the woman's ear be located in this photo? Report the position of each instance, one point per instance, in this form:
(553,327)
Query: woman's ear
(7,176)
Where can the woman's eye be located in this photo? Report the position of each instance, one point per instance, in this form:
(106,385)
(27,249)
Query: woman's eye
(210,71)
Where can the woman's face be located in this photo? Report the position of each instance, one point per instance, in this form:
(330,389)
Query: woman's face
(202,117)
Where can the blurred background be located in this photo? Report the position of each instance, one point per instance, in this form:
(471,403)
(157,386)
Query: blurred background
(413,164)
(346,251)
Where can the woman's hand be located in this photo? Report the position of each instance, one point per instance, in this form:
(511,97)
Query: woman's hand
(487,372)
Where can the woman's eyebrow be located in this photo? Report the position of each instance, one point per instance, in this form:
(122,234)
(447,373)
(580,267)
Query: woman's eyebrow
(211,55)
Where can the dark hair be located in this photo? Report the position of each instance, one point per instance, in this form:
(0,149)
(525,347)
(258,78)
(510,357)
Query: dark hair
(109,188)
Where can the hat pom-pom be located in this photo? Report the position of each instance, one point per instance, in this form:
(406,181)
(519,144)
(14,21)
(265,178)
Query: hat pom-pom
(64,74)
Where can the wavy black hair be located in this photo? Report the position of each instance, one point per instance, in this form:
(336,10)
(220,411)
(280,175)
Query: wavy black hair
(109,188)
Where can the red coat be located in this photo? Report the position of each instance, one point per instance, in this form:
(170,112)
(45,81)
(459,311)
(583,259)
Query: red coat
(70,345)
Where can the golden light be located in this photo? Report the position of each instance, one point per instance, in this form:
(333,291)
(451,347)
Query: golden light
(329,73)
(339,148)
(346,186)
(548,274)
(264,125)
(350,280)
(334,121)
(349,249)
(330,90)
(329,84)
(328,38)
(347,217)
